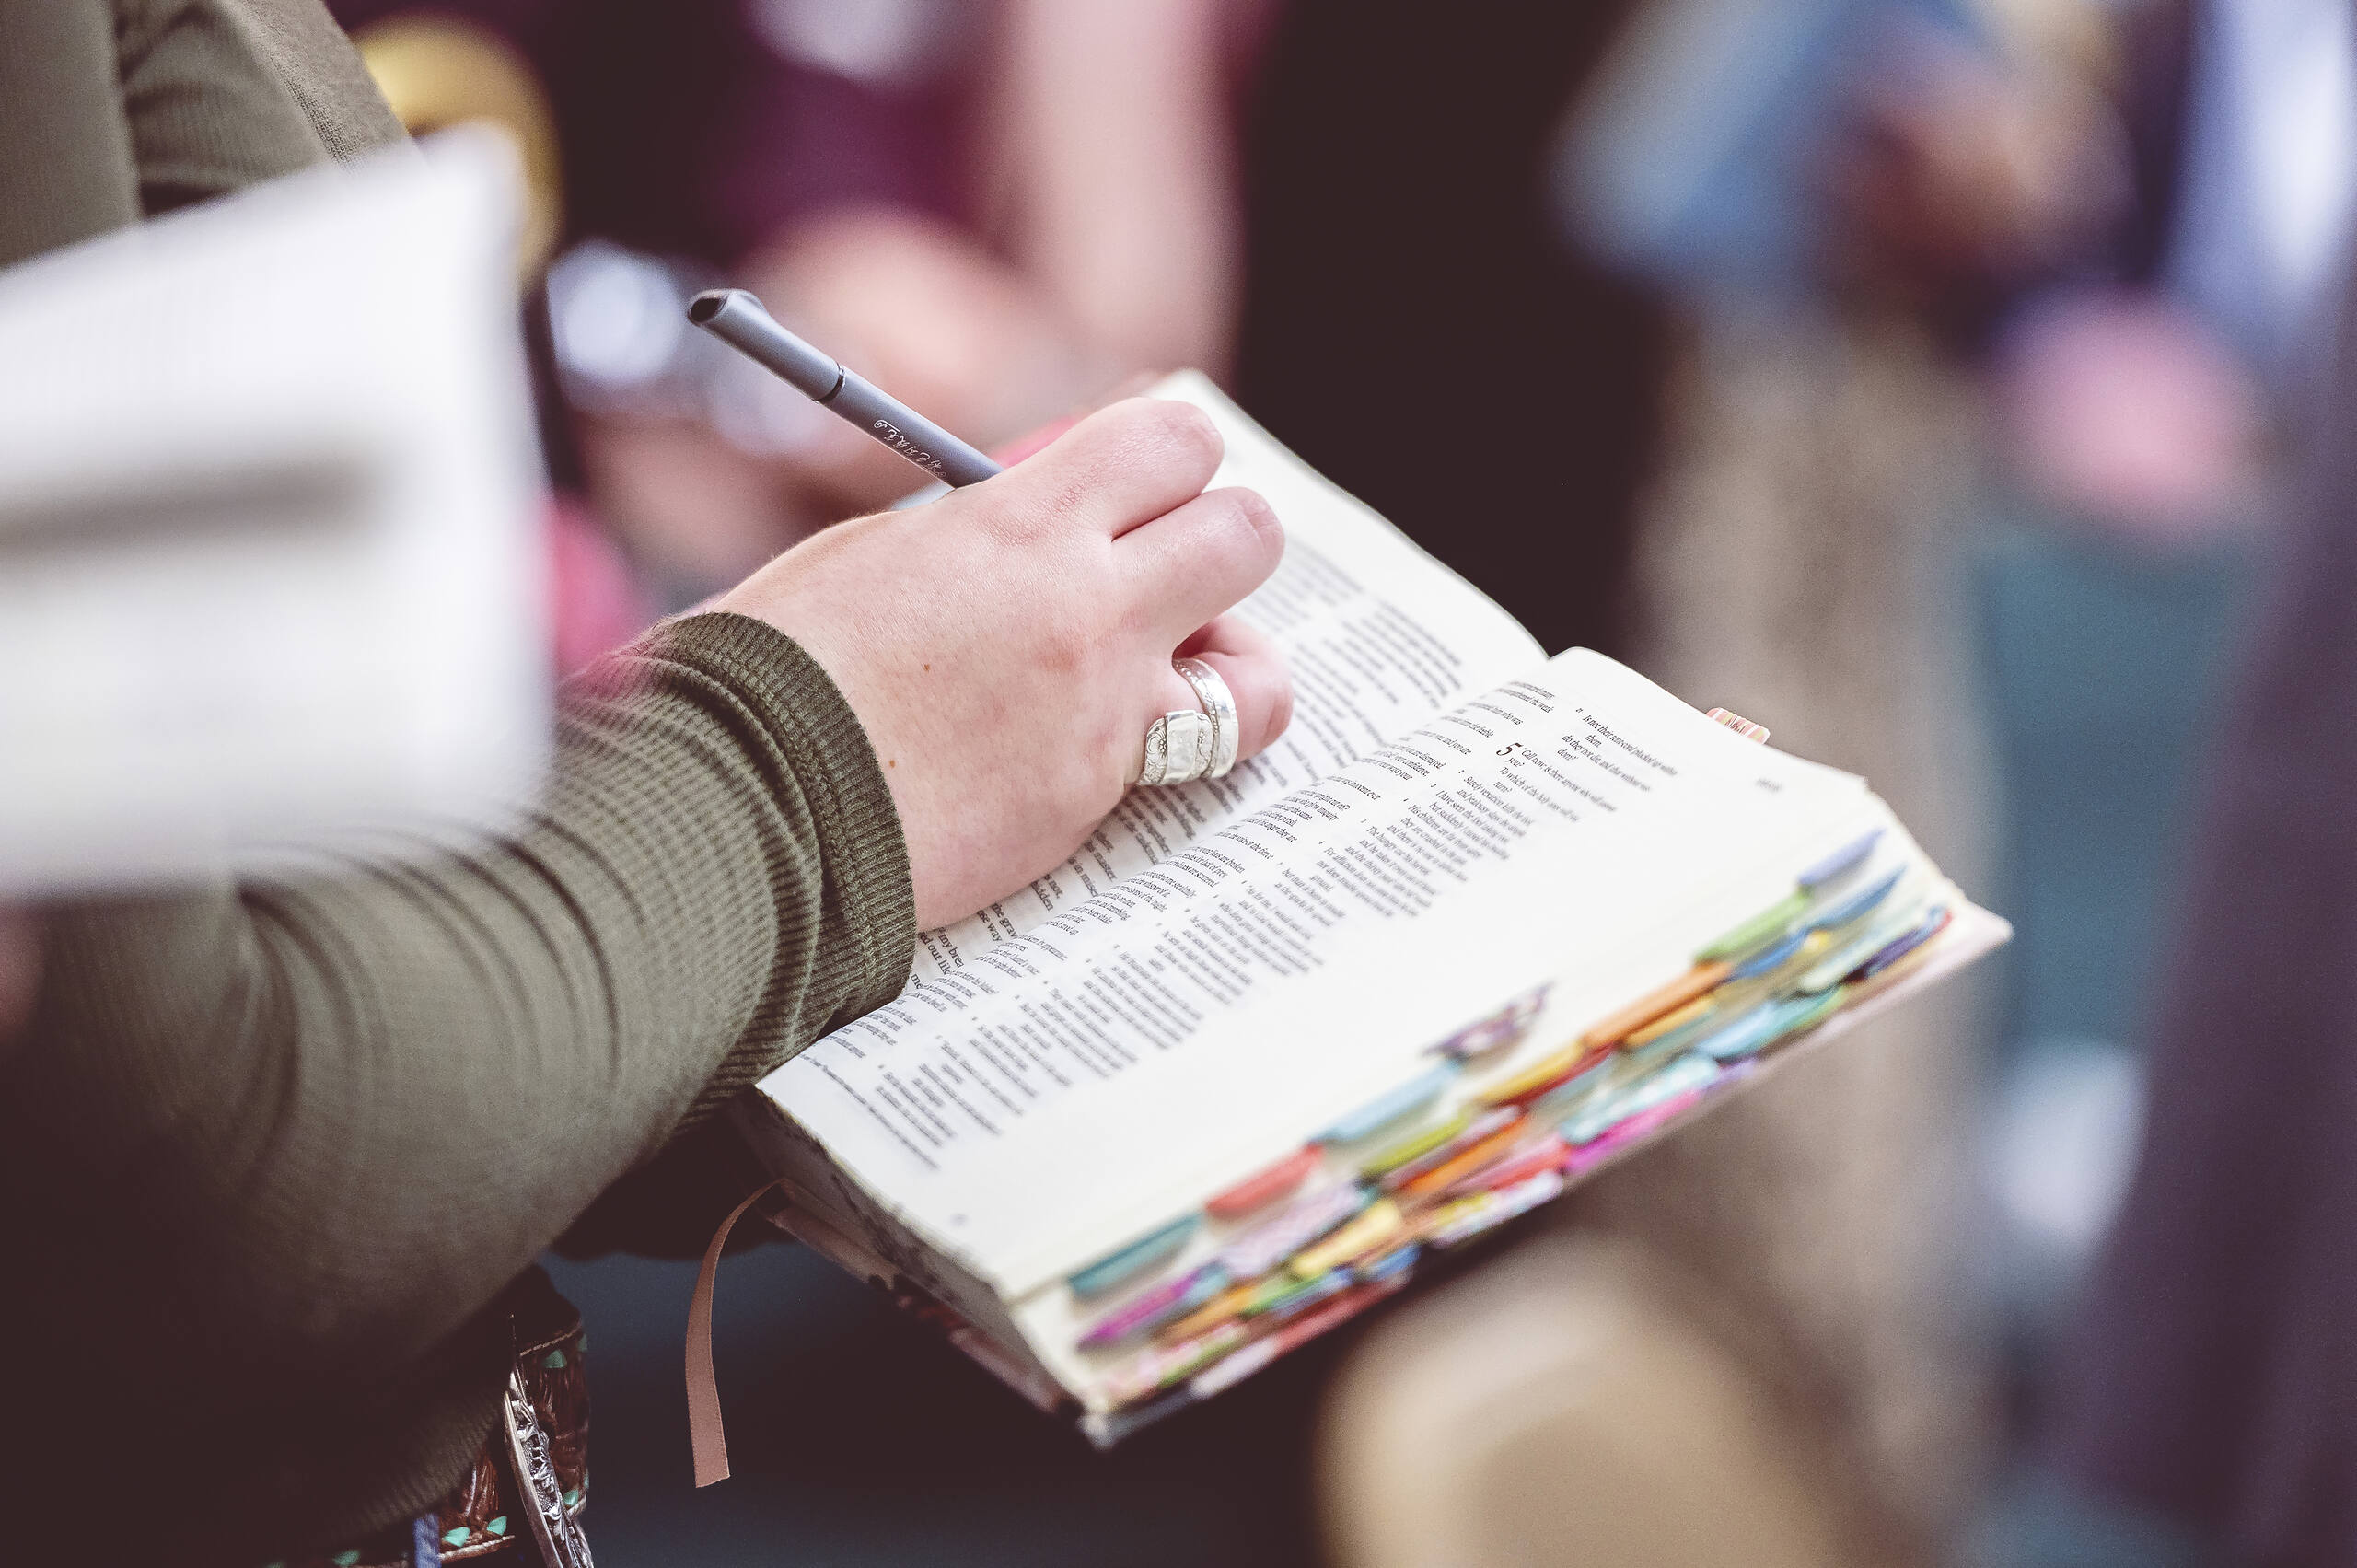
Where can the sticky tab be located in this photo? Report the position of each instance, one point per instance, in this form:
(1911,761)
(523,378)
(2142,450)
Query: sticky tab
(1416,1145)
(1157,1306)
(1740,725)
(1393,1104)
(1697,981)
(1256,1191)
(1848,856)
(1135,1258)
(1274,1240)
(1767,925)
(1371,1230)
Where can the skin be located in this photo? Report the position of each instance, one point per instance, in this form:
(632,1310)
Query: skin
(1007,646)
(1106,238)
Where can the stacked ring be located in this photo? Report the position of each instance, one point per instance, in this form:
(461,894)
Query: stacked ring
(1219,705)
(1180,746)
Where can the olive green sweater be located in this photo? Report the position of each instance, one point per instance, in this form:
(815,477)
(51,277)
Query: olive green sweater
(272,1152)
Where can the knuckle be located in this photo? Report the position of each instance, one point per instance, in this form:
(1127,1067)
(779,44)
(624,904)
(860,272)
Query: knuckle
(1243,526)
(1261,519)
(1179,433)
(1279,711)
(1070,644)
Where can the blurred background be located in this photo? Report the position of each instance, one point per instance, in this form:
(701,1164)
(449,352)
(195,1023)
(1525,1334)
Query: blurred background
(1915,377)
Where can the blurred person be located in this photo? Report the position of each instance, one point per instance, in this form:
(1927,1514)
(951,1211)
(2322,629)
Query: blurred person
(1789,1261)
(1567,1404)
(1000,208)
(2100,241)
(2209,1377)
(2159,397)
(279,1154)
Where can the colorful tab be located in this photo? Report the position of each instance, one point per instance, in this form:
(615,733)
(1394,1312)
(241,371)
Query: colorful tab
(1415,1145)
(1766,926)
(1448,1218)
(1892,973)
(1501,1028)
(1370,1232)
(1156,1369)
(1770,957)
(1688,1072)
(1234,1368)
(1543,1075)
(1767,1024)
(1388,1107)
(1694,1012)
(1281,1295)
(1156,1306)
(1134,1260)
(1746,1032)
(1257,1250)
(1883,929)
(1386,1265)
(1256,1193)
(1847,858)
(1639,1127)
(1932,924)
(1229,1303)
(1300,1331)
(1638,1057)
(1618,1027)
(1461,1224)
(1815,1011)
(1857,904)
(1572,1092)
(1520,1165)
(1480,1127)
(1473,1158)
(1740,725)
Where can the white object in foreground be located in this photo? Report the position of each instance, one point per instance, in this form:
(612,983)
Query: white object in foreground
(271,571)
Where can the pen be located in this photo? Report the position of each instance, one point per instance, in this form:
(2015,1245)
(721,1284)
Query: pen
(736,318)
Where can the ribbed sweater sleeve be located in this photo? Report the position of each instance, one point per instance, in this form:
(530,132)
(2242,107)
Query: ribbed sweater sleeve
(307,1129)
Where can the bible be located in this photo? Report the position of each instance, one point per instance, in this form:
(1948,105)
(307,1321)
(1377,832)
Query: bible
(1269,1050)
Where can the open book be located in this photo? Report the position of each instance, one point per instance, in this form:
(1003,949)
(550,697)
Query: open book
(1270,1048)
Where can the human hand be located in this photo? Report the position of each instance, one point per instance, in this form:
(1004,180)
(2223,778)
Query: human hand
(1007,646)
(2120,411)
(1953,172)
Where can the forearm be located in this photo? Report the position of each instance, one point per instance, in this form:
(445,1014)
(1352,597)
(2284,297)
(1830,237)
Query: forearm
(1122,208)
(66,164)
(354,1106)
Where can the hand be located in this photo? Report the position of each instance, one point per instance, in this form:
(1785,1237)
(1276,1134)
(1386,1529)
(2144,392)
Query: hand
(1954,172)
(1007,646)
(2120,411)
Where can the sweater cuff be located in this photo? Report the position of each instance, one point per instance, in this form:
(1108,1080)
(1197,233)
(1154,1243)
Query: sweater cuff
(861,844)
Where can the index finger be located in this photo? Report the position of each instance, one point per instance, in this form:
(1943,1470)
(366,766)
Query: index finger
(1121,466)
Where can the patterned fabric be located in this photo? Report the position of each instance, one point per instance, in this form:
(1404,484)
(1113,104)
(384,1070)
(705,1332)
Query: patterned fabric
(486,1516)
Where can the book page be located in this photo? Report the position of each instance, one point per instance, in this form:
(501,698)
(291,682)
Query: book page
(1380,638)
(1074,1088)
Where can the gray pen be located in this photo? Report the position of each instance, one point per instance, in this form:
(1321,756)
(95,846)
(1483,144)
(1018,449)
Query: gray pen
(736,318)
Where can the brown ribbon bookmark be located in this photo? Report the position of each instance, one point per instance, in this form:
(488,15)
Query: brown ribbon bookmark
(706,1441)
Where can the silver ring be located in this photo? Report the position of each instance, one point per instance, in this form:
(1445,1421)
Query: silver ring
(1178,749)
(1219,704)
(1180,746)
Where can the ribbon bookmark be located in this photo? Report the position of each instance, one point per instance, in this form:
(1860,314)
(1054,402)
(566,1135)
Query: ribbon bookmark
(707,1443)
